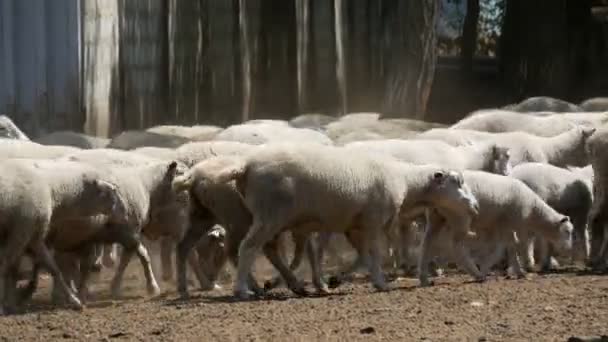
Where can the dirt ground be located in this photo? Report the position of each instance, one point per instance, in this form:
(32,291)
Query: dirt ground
(550,307)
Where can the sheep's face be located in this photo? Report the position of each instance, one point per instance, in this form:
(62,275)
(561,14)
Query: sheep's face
(583,148)
(104,199)
(448,190)
(501,160)
(564,233)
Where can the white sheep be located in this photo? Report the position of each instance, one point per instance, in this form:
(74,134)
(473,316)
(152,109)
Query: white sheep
(567,193)
(37,194)
(507,209)
(289,187)
(564,149)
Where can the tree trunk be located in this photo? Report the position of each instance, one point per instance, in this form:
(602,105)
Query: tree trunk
(303,28)
(543,46)
(411,50)
(469,36)
(245,59)
(340,63)
(276,62)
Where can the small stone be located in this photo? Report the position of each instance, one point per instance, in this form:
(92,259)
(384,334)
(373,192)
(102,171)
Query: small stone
(476,303)
(368,330)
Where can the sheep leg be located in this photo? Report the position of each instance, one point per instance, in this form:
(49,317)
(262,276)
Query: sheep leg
(300,242)
(492,259)
(375,261)
(431,233)
(233,251)
(513,259)
(270,251)
(184,247)
(144,259)
(46,260)
(193,260)
(526,245)
(598,241)
(68,266)
(123,262)
(87,261)
(316,267)
(257,236)
(109,255)
(464,260)
(166,254)
(15,246)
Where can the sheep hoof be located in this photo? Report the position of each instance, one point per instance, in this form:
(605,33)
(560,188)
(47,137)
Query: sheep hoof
(334,282)
(153,290)
(243,294)
(426,283)
(480,279)
(211,287)
(381,287)
(271,284)
(183,295)
(299,290)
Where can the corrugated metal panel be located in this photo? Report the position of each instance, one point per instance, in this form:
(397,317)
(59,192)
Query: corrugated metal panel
(39,64)
(101,69)
(143,77)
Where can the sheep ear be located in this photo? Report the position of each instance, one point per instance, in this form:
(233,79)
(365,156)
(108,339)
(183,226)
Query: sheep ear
(565,219)
(172,166)
(439,177)
(587,132)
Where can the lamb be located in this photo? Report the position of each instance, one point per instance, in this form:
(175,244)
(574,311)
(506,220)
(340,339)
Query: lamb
(488,156)
(37,194)
(497,121)
(567,193)
(264,132)
(224,202)
(566,149)
(195,133)
(365,124)
(507,209)
(129,140)
(312,121)
(366,195)
(9,130)
(10,148)
(69,138)
(544,104)
(596,104)
(154,210)
(596,147)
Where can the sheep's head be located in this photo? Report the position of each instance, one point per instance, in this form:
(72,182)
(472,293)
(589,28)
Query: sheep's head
(448,190)
(501,160)
(104,198)
(561,233)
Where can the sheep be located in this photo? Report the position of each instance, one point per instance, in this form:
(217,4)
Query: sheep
(155,210)
(567,193)
(129,140)
(224,202)
(264,132)
(37,194)
(156,152)
(195,133)
(596,147)
(565,149)
(312,121)
(10,148)
(496,121)
(507,209)
(9,130)
(362,124)
(488,156)
(288,187)
(194,152)
(69,138)
(544,104)
(596,104)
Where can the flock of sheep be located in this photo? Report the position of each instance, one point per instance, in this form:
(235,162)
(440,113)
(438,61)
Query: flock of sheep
(517,189)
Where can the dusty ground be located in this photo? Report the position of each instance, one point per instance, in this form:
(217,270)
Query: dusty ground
(543,308)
